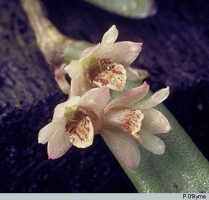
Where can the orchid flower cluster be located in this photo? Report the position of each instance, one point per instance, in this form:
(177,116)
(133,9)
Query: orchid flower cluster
(128,119)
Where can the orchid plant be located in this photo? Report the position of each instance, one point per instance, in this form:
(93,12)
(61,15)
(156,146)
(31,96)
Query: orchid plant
(104,97)
(88,110)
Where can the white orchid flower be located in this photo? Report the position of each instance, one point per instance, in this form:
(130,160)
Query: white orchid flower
(74,122)
(131,116)
(106,64)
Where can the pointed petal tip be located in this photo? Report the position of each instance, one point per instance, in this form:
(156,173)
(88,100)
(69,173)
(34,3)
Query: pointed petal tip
(140,44)
(161,150)
(113,26)
(111,35)
(157,98)
(153,143)
(134,74)
(56,153)
(168,128)
(145,84)
(168,88)
(155,121)
(40,141)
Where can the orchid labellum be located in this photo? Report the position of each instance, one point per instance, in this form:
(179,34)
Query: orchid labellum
(106,64)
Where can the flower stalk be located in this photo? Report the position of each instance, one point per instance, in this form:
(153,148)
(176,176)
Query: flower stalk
(54,46)
(50,41)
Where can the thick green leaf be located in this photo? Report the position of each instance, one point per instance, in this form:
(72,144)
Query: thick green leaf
(181,169)
(128,8)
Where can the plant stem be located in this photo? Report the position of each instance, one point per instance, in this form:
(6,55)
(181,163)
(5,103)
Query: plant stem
(50,41)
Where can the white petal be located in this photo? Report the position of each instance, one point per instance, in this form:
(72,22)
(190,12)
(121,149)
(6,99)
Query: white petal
(124,52)
(128,97)
(89,51)
(83,135)
(79,82)
(59,143)
(113,77)
(95,100)
(157,98)
(152,143)
(136,74)
(59,110)
(155,121)
(46,132)
(74,68)
(124,147)
(79,85)
(111,35)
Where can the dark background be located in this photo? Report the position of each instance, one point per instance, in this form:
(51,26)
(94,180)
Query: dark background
(175,52)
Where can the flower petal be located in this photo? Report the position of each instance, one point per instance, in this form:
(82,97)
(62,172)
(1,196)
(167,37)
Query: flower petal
(59,142)
(82,136)
(74,68)
(95,100)
(128,120)
(113,77)
(157,98)
(124,147)
(46,132)
(152,143)
(110,36)
(155,121)
(79,85)
(128,97)
(124,52)
(136,74)
(79,82)
(89,51)
(60,109)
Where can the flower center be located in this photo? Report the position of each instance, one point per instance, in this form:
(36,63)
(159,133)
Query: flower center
(80,129)
(108,73)
(132,123)
(129,120)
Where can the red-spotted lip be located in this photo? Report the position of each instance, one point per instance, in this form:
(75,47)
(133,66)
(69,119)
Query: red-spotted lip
(109,74)
(81,133)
